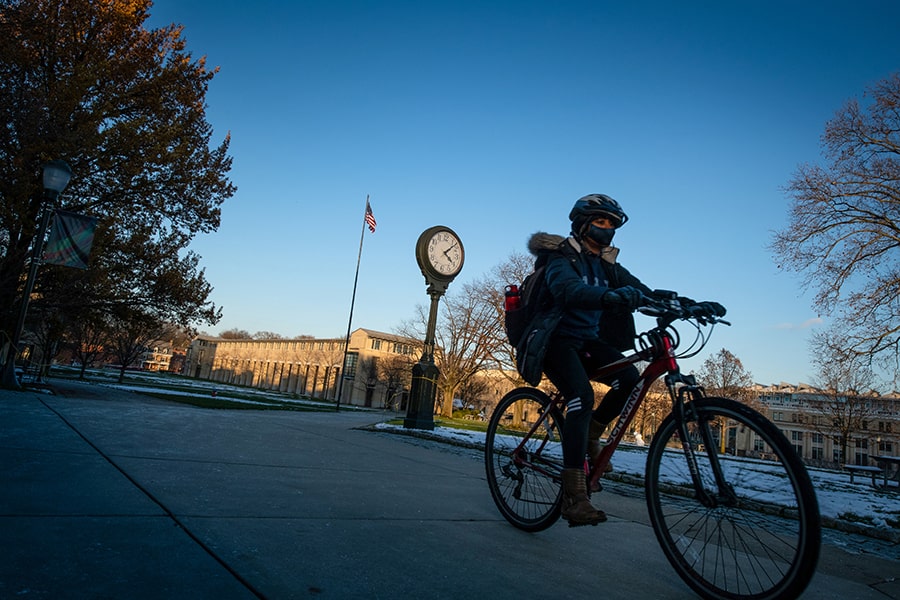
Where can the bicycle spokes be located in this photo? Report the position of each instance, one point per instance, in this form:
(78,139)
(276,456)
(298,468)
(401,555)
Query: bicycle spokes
(732,527)
(523,457)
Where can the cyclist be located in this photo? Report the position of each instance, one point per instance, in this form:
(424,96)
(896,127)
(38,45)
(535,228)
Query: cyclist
(596,296)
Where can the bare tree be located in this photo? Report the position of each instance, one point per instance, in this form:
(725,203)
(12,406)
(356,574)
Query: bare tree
(723,374)
(131,331)
(396,372)
(465,335)
(467,340)
(367,371)
(472,393)
(88,337)
(235,334)
(179,337)
(48,334)
(845,405)
(653,410)
(267,335)
(844,228)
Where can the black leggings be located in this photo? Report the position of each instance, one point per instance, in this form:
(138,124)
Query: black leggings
(567,364)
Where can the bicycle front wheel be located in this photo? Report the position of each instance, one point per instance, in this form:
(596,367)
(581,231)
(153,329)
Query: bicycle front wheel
(523,459)
(753,529)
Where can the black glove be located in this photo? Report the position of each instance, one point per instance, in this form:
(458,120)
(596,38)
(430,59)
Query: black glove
(626,297)
(709,309)
(671,300)
(686,302)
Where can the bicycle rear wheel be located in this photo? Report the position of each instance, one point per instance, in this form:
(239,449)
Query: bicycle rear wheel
(524,470)
(753,533)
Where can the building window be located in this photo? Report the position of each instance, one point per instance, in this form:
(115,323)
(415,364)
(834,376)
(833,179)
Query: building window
(376,344)
(350,365)
(862,452)
(403,349)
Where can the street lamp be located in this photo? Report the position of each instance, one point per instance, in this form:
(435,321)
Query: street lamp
(57,174)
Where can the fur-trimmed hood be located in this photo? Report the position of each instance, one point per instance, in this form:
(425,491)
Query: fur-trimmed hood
(543,242)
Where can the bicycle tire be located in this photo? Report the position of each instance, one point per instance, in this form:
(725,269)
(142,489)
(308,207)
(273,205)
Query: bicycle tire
(760,543)
(525,484)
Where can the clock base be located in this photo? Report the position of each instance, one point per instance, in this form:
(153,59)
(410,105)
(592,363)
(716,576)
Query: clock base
(422,392)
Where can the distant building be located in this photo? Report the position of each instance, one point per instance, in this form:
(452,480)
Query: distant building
(310,367)
(819,423)
(157,356)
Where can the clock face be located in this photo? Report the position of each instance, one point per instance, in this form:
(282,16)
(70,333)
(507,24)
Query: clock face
(445,253)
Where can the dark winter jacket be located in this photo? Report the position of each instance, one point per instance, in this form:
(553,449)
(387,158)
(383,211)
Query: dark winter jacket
(577,281)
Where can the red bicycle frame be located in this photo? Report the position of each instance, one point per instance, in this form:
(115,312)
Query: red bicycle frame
(659,349)
(661,352)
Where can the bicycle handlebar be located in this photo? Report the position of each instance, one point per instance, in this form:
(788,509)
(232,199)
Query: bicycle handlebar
(670,309)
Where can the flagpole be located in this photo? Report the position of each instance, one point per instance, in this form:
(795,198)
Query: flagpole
(362,236)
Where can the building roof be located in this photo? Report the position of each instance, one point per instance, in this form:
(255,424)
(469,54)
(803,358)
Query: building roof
(369,332)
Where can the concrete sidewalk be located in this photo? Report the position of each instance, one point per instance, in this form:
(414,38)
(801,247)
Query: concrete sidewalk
(109,494)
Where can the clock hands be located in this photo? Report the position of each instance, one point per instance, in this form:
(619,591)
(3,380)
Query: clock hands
(447,251)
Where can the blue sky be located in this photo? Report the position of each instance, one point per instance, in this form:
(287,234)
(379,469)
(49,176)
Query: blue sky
(493,117)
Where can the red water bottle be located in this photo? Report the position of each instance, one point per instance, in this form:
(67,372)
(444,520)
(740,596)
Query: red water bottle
(512,298)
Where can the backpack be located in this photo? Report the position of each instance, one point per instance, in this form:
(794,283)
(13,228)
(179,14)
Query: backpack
(530,323)
(532,295)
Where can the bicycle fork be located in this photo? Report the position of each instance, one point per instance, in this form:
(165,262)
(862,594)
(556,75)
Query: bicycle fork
(684,413)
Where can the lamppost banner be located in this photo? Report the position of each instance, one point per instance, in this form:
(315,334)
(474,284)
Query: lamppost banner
(70,240)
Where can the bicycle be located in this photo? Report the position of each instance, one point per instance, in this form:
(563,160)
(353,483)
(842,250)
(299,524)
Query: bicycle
(729,499)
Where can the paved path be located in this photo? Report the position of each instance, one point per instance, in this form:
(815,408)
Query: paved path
(109,494)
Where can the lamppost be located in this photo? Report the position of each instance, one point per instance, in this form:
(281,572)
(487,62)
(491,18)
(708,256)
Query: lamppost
(57,174)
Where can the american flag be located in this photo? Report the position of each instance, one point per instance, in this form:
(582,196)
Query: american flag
(370,218)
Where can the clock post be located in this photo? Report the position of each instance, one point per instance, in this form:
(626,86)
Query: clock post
(440,255)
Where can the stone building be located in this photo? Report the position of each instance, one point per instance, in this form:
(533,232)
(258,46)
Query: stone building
(820,424)
(378,366)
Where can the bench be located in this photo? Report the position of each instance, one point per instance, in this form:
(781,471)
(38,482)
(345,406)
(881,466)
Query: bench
(891,466)
(861,469)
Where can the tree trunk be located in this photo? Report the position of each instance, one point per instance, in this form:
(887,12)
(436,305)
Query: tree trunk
(447,404)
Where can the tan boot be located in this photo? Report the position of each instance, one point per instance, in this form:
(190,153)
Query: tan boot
(595,446)
(576,507)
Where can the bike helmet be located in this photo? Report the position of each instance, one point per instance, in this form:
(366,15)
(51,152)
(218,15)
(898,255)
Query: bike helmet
(590,207)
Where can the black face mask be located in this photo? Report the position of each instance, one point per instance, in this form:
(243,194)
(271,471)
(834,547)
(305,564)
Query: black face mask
(600,235)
